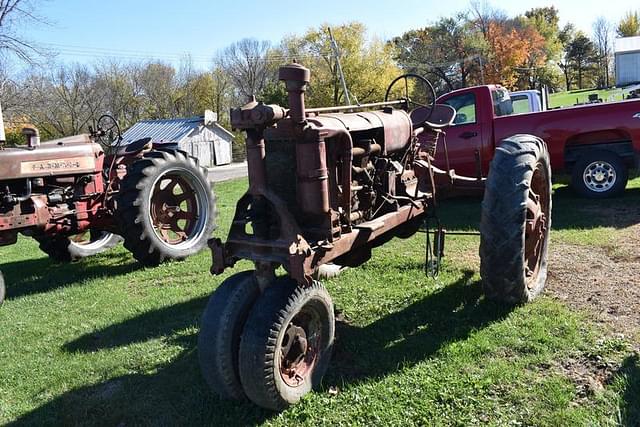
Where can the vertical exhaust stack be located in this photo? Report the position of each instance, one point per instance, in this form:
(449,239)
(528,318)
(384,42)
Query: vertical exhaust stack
(32,135)
(2,135)
(312,185)
(296,77)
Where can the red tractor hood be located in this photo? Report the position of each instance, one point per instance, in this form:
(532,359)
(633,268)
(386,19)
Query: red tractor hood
(74,155)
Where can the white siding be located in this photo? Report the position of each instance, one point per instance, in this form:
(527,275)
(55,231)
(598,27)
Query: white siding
(209,145)
(627,68)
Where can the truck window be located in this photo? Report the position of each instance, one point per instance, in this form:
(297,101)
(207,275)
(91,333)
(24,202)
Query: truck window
(520,104)
(465,106)
(501,102)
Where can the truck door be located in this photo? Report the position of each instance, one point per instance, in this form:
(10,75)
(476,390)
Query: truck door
(463,138)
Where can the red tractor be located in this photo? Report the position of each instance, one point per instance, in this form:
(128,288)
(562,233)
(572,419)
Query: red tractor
(326,185)
(80,195)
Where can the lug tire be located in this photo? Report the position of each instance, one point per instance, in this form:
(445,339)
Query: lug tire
(612,168)
(263,341)
(133,213)
(63,249)
(519,169)
(220,330)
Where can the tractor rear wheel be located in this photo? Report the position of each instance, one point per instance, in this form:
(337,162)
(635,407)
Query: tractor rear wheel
(515,221)
(72,248)
(220,329)
(165,208)
(286,344)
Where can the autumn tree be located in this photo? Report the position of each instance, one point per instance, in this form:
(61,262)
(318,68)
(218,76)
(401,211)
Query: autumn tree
(580,55)
(367,64)
(448,52)
(566,37)
(62,100)
(541,66)
(509,49)
(629,25)
(603,41)
(247,65)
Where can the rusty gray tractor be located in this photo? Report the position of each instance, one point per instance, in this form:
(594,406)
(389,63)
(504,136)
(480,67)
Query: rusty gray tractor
(81,195)
(326,185)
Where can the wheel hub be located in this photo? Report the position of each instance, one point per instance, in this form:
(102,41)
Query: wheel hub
(174,209)
(298,353)
(536,226)
(599,176)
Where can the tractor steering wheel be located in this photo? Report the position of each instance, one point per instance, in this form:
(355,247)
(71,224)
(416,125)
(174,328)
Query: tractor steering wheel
(105,128)
(421,106)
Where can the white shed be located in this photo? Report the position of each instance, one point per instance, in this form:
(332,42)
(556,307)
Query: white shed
(627,56)
(202,137)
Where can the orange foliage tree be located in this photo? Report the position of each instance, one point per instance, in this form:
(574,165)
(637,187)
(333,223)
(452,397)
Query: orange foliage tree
(512,51)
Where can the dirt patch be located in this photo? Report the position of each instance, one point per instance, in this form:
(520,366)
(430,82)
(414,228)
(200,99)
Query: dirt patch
(603,280)
(590,375)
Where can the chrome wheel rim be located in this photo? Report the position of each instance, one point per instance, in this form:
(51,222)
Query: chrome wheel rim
(599,176)
(89,240)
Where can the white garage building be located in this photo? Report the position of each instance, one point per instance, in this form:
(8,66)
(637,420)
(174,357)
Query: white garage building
(627,57)
(201,136)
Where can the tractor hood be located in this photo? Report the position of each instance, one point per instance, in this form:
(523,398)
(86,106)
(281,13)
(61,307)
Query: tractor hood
(74,155)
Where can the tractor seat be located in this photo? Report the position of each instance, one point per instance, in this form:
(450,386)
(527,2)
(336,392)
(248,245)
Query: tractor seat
(135,147)
(442,116)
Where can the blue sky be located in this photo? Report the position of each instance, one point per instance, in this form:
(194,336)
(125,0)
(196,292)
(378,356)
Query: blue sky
(84,30)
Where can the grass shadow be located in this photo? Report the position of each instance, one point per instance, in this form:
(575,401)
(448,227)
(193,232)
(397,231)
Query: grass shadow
(630,403)
(39,275)
(152,324)
(172,394)
(176,394)
(412,334)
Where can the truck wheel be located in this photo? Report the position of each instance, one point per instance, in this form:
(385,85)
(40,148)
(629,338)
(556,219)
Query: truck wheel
(72,248)
(165,208)
(220,329)
(599,174)
(286,343)
(3,289)
(515,221)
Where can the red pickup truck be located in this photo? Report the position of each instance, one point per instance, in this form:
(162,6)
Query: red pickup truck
(597,144)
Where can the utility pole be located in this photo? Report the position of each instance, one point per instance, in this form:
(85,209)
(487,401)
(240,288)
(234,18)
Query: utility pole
(2,136)
(336,54)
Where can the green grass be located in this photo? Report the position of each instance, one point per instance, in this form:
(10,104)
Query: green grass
(104,341)
(568,99)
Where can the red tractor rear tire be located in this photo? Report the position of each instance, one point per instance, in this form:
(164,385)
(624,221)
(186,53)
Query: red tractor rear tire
(166,208)
(515,221)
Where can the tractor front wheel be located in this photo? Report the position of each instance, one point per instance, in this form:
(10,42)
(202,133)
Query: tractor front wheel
(286,344)
(515,221)
(165,208)
(220,329)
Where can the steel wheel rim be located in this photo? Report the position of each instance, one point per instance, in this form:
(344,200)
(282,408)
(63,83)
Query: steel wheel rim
(299,348)
(599,176)
(536,224)
(86,241)
(178,209)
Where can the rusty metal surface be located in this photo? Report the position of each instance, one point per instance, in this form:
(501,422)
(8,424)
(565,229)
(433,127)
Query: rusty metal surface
(68,156)
(323,187)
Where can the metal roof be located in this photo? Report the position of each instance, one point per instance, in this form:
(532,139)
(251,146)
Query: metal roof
(627,44)
(166,130)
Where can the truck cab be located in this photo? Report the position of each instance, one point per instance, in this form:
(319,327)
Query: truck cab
(597,143)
